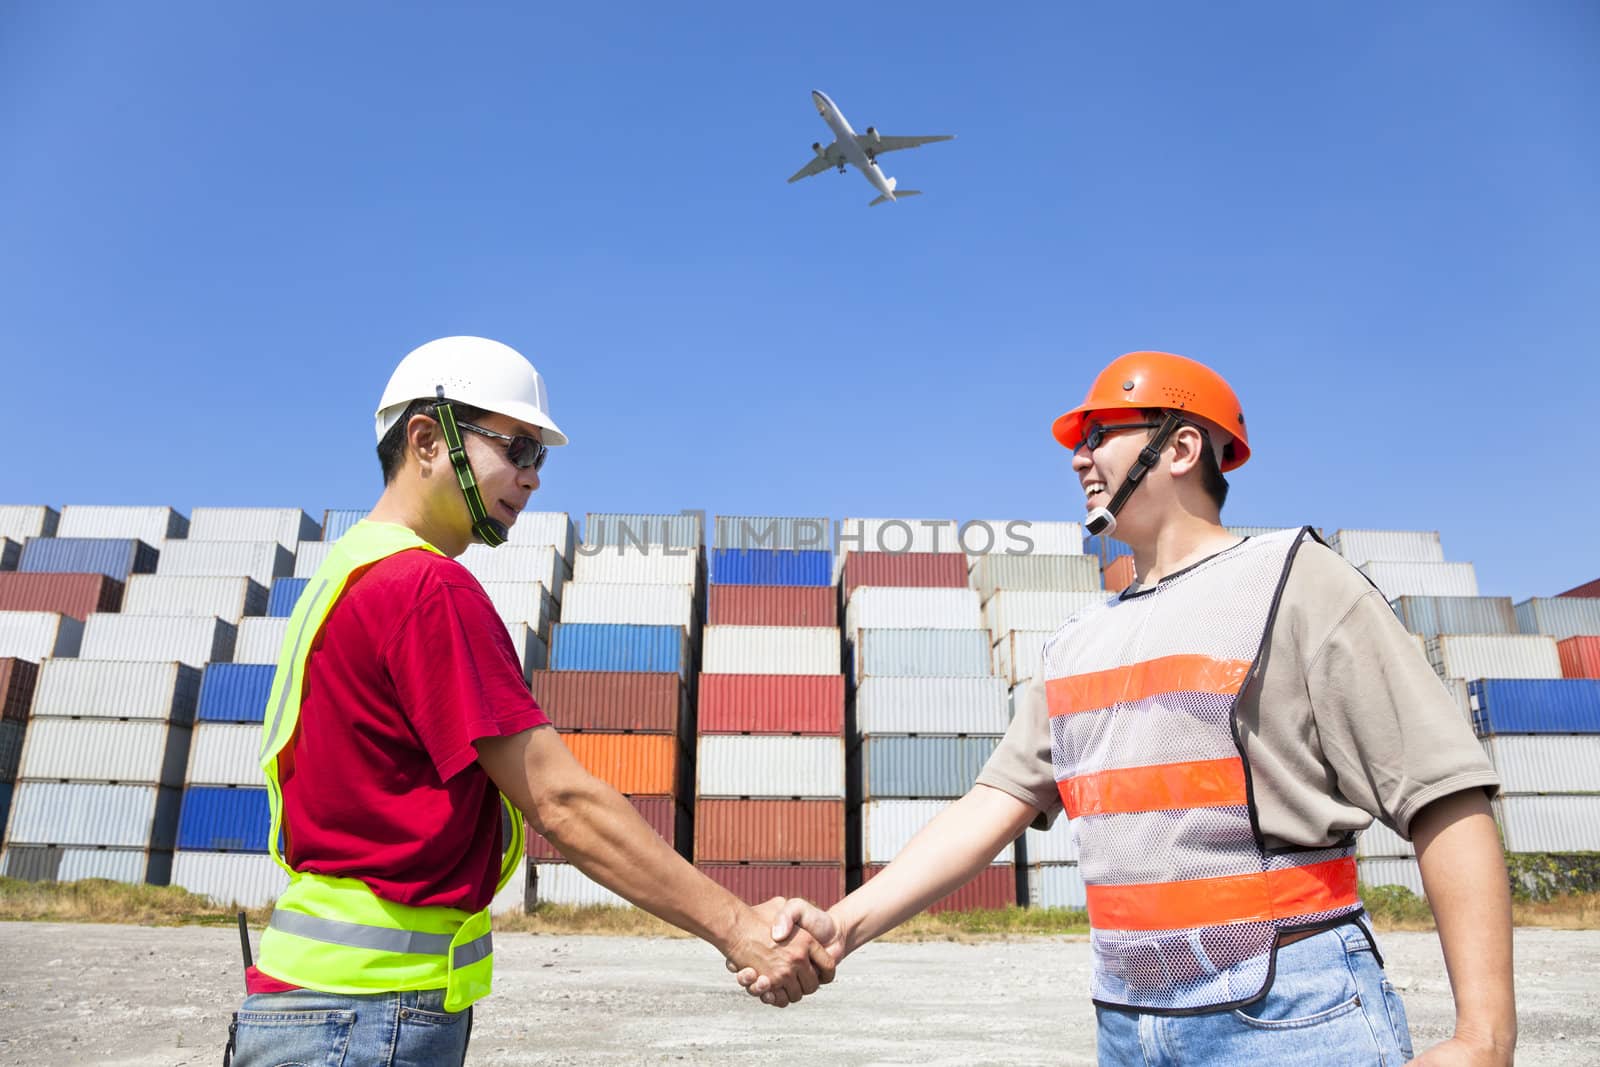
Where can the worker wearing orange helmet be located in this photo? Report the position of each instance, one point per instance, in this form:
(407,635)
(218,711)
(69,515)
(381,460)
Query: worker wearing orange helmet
(1219,733)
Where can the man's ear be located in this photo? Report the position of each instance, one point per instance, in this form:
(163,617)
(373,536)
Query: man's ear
(1186,443)
(423,440)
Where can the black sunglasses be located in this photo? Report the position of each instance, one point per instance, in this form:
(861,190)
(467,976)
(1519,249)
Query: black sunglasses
(1097,433)
(523,451)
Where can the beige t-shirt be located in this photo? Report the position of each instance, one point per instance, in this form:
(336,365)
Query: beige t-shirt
(1349,722)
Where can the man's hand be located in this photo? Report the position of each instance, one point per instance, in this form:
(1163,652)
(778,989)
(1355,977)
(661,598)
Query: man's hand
(799,923)
(790,968)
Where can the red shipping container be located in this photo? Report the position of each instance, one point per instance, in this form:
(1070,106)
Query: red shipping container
(646,764)
(772,704)
(1586,589)
(642,702)
(919,570)
(78,595)
(996,887)
(662,813)
(1580,657)
(772,605)
(1119,574)
(758,831)
(756,883)
(17,679)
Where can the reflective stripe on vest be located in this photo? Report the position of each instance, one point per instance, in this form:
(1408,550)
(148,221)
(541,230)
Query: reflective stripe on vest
(336,934)
(1185,905)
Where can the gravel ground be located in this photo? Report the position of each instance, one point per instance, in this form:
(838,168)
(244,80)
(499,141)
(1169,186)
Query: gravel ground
(143,997)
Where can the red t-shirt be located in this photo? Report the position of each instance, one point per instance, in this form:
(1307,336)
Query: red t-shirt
(381,782)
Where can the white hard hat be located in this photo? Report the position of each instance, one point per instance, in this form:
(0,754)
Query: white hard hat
(474,371)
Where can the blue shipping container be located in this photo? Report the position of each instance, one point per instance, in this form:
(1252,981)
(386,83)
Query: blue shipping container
(771,566)
(336,522)
(922,766)
(235,692)
(606,646)
(115,557)
(1535,705)
(1106,548)
(285,591)
(216,818)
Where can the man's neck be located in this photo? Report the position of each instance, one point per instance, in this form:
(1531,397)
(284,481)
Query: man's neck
(405,508)
(1180,542)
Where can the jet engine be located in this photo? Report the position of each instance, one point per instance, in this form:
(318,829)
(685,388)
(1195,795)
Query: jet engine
(816,146)
(872,132)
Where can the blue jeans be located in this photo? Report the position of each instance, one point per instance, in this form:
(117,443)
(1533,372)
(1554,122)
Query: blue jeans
(305,1028)
(1329,1004)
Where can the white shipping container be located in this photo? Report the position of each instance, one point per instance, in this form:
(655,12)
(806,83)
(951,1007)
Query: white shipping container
(811,533)
(260,640)
(133,866)
(1073,573)
(887,826)
(1017,609)
(18,522)
(553,528)
(90,688)
(740,766)
(131,752)
(932,706)
(75,813)
(1546,763)
(164,594)
(562,883)
(286,526)
(1558,822)
(532,652)
(651,605)
(1379,840)
(512,898)
(633,566)
(308,556)
(1402,546)
(1401,871)
(38,635)
(517,563)
(231,879)
(1421,579)
(526,602)
(150,525)
(1056,885)
(225,753)
(893,608)
(1494,656)
(260,561)
(771,650)
(1018,654)
(1021,537)
(1059,844)
(158,638)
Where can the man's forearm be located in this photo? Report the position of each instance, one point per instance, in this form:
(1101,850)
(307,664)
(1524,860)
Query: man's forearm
(945,855)
(1464,876)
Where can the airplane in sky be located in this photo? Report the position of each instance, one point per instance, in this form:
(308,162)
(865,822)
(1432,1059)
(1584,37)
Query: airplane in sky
(860,149)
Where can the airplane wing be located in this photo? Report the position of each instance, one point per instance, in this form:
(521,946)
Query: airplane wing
(893,144)
(830,158)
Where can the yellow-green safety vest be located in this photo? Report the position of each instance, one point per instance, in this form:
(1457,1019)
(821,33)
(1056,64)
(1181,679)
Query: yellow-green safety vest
(336,934)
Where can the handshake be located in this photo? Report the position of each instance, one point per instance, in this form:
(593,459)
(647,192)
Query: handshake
(788,949)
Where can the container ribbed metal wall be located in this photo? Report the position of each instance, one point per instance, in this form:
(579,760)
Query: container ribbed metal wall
(921,653)
(109,689)
(1074,574)
(888,608)
(1016,609)
(37,635)
(1494,656)
(1432,615)
(1568,616)
(147,524)
(919,767)
(772,531)
(932,706)
(164,594)
(260,561)
(137,751)
(731,766)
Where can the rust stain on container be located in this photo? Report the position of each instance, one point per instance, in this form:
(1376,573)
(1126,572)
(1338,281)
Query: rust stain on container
(619,701)
(943,570)
(662,813)
(996,887)
(77,595)
(772,605)
(772,704)
(755,883)
(769,830)
(17,680)
(647,764)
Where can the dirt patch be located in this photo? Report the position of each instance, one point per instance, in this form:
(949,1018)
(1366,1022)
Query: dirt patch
(147,997)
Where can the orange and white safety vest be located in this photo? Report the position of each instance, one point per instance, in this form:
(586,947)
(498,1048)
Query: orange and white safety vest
(1185,901)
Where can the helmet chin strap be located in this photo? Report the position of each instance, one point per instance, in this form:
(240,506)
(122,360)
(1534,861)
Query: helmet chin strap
(490,531)
(1103,521)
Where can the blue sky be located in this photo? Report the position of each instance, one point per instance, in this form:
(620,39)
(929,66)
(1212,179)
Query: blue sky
(222,225)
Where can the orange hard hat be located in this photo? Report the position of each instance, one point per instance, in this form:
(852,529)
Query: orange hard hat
(1161,380)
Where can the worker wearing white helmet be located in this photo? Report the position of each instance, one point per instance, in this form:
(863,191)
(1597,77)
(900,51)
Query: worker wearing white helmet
(400,738)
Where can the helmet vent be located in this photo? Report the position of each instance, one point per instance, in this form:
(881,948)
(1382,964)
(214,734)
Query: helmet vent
(1178,398)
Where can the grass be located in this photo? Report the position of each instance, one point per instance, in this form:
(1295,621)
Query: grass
(97,900)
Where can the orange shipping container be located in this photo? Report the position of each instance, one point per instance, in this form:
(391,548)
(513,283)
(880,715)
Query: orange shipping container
(995,887)
(772,704)
(17,679)
(1119,574)
(619,701)
(772,605)
(648,764)
(1580,657)
(756,883)
(769,830)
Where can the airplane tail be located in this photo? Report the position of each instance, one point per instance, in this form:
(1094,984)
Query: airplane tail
(898,193)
